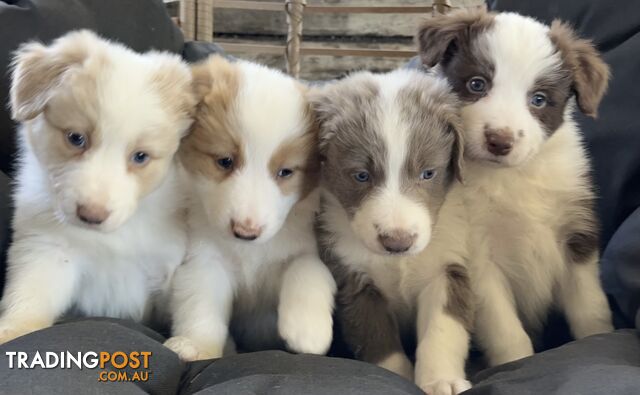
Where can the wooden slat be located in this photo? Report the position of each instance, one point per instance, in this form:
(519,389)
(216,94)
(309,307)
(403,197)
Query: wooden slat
(252,48)
(250,5)
(386,53)
(407,9)
(310,50)
(312,8)
(204,22)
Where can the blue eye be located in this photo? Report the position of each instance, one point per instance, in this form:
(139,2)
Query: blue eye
(284,173)
(225,163)
(361,176)
(140,158)
(538,100)
(477,85)
(427,174)
(76,139)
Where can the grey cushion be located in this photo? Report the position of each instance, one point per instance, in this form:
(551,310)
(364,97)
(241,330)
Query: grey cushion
(268,372)
(601,364)
(278,372)
(90,335)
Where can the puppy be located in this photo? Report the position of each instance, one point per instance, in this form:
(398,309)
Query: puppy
(97,230)
(252,260)
(391,151)
(530,200)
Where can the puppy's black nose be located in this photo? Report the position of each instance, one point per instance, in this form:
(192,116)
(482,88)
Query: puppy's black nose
(499,142)
(397,241)
(92,214)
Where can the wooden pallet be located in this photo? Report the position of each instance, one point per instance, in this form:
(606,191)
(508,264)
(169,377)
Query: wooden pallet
(196,20)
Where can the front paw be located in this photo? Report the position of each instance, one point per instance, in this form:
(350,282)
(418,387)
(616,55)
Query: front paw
(189,351)
(445,387)
(399,364)
(9,332)
(306,330)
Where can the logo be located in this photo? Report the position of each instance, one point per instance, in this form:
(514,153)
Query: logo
(114,366)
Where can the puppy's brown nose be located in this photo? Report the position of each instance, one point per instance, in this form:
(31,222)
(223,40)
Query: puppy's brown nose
(397,241)
(499,142)
(245,230)
(92,214)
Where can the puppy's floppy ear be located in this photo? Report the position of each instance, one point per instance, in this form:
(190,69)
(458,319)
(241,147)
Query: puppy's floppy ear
(322,105)
(172,79)
(440,36)
(201,79)
(215,81)
(590,73)
(38,70)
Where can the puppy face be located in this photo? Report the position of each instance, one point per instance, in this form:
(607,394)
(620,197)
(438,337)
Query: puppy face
(252,149)
(390,149)
(103,122)
(515,76)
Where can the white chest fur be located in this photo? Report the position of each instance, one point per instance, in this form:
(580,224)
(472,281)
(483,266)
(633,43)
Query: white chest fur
(114,274)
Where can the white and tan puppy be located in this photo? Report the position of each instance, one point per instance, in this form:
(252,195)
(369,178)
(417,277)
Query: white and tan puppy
(252,263)
(391,151)
(530,200)
(97,229)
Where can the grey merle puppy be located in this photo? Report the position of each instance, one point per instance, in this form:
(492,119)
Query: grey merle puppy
(391,152)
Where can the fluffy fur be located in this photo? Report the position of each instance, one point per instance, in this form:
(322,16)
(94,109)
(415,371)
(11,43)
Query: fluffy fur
(252,267)
(391,150)
(97,226)
(532,227)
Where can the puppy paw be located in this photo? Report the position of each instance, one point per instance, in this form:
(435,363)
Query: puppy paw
(399,364)
(188,350)
(306,330)
(184,347)
(9,332)
(445,387)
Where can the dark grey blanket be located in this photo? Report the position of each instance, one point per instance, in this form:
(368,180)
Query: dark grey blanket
(602,364)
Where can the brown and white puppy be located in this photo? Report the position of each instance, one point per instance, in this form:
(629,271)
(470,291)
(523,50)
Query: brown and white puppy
(253,266)
(391,151)
(533,230)
(98,228)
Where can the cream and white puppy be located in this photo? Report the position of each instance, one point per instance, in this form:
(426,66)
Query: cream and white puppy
(97,229)
(529,197)
(391,151)
(252,263)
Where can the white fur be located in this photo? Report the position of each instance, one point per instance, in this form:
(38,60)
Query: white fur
(281,267)
(415,281)
(119,268)
(517,208)
(391,209)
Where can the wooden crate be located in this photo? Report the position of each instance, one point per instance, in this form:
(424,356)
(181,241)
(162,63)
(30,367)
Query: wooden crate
(339,35)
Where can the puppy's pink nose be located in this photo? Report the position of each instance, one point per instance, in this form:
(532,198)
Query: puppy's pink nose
(397,241)
(246,230)
(499,142)
(92,214)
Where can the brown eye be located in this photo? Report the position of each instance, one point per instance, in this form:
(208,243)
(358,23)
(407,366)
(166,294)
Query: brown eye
(477,85)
